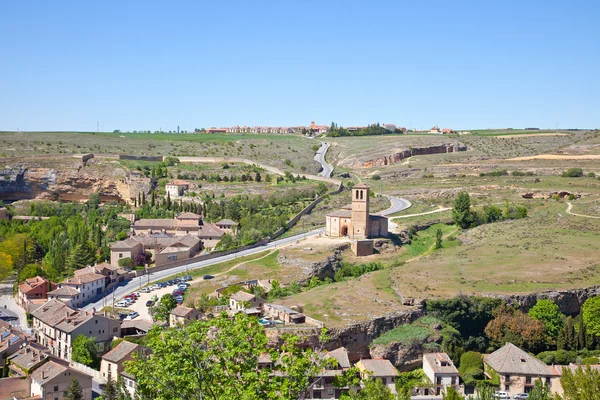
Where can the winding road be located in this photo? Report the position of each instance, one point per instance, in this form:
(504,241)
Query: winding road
(396,204)
(326,169)
(570,206)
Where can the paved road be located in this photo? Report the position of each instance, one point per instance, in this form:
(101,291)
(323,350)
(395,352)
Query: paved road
(162,275)
(327,169)
(397,204)
(8,302)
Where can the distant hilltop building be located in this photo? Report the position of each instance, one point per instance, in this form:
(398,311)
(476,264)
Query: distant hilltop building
(281,130)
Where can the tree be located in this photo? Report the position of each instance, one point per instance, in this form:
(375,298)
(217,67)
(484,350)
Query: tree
(452,394)
(516,327)
(221,357)
(160,312)
(438,238)
(373,389)
(491,214)
(581,384)
(590,313)
(30,271)
(6,266)
(547,312)
(74,391)
(126,262)
(540,391)
(461,213)
(572,173)
(83,255)
(93,200)
(84,351)
(406,381)
(471,368)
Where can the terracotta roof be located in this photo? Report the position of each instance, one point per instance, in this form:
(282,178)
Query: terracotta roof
(155,223)
(179,182)
(510,359)
(138,323)
(28,357)
(440,363)
(32,283)
(122,350)
(57,314)
(360,186)
(181,311)
(188,215)
(226,222)
(341,214)
(64,291)
(209,230)
(341,356)
(129,242)
(379,368)
(243,296)
(83,278)
(49,371)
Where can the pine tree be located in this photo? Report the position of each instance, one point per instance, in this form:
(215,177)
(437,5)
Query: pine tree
(143,198)
(570,338)
(581,336)
(74,391)
(153,200)
(168,201)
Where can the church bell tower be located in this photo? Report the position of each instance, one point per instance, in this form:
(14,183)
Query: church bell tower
(360,212)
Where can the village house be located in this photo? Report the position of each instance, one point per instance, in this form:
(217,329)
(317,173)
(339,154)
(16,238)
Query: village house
(184,224)
(137,326)
(56,325)
(518,370)
(227,226)
(51,380)
(390,127)
(81,289)
(440,370)
(23,362)
(163,247)
(435,129)
(283,314)
(176,188)
(181,315)
(243,300)
(113,362)
(379,369)
(447,131)
(11,339)
(322,386)
(34,291)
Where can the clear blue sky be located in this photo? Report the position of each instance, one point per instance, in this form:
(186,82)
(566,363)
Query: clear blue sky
(146,65)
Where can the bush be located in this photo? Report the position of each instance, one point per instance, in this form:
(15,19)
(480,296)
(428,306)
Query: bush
(501,172)
(376,177)
(471,368)
(519,173)
(126,262)
(572,173)
(591,175)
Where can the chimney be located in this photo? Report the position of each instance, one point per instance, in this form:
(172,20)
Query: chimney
(43,374)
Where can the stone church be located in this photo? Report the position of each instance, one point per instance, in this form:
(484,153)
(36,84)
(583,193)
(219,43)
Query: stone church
(355,221)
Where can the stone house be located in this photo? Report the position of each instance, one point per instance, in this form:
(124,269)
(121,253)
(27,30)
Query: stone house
(181,315)
(242,300)
(176,188)
(283,314)
(227,226)
(113,362)
(56,325)
(11,340)
(379,369)
(322,386)
(34,291)
(518,370)
(51,380)
(440,370)
(128,248)
(81,289)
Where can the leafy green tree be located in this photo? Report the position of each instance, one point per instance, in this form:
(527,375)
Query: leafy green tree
(485,392)
(540,392)
(74,391)
(6,266)
(406,381)
(126,262)
(461,213)
(94,200)
(160,312)
(452,394)
(218,359)
(491,214)
(590,312)
(373,389)
(471,368)
(84,351)
(582,384)
(84,254)
(547,312)
(567,339)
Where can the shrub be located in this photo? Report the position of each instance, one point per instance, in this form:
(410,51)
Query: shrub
(376,177)
(591,175)
(572,173)
(126,262)
(519,173)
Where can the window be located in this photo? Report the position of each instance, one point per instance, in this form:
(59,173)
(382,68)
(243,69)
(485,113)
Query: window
(528,380)
(96,321)
(56,388)
(120,255)
(172,258)
(115,329)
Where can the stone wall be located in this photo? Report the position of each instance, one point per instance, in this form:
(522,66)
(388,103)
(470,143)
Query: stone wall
(416,151)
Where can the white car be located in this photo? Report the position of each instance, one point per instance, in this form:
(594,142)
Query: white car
(501,395)
(521,396)
(131,316)
(123,304)
(146,289)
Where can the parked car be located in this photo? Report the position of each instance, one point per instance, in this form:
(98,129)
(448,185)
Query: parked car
(122,316)
(149,303)
(136,294)
(123,304)
(146,289)
(171,282)
(501,395)
(132,316)
(154,298)
(184,285)
(178,293)
(521,396)
(187,278)
(205,277)
(178,299)
(162,285)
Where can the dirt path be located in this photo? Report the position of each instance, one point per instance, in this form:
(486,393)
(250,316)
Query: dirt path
(423,213)
(570,206)
(557,157)
(531,135)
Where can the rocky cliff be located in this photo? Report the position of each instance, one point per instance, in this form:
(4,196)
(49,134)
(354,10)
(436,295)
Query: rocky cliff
(404,154)
(70,182)
(569,301)
(357,337)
